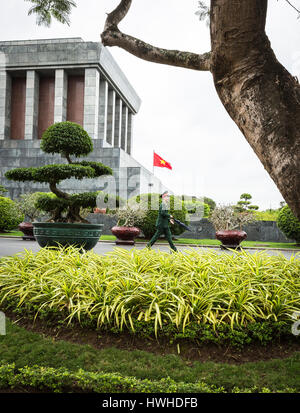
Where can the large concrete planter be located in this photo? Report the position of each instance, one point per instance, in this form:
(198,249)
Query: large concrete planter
(125,235)
(49,234)
(231,238)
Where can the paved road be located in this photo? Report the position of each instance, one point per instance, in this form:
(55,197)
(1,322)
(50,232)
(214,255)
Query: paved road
(9,246)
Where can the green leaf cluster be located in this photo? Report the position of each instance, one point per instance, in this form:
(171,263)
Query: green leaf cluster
(3,190)
(204,296)
(151,202)
(10,215)
(198,207)
(65,138)
(62,380)
(288,223)
(49,202)
(46,9)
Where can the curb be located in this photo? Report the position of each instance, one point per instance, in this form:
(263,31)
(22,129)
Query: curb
(187,245)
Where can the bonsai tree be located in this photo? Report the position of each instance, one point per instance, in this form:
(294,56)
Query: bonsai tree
(207,201)
(225,217)
(67,139)
(244,204)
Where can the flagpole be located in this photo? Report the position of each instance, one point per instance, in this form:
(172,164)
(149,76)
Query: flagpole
(153,163)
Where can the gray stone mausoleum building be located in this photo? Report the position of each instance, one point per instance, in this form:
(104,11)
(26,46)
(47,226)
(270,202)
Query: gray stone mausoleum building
(54,80)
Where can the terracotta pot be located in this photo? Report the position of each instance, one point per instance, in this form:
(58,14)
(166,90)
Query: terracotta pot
(125,235)
(99,211)
(231,238)
(27,229)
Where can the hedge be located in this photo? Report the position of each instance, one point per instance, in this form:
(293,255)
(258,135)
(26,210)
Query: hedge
(62,380)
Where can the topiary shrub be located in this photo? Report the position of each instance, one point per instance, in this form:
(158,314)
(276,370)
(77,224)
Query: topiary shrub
(197,208)
(67,139)
(210,202)
(289,224)
(10,215)
(151,204)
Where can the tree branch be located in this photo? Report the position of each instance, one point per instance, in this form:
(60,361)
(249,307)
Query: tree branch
(112,36)
(114,18)
(58,192)
(294,7)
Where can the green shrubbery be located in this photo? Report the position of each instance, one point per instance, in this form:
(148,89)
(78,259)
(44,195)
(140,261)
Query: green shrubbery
(268,215)
(289,224)
(63,380)
(197,207)
(10,216)
(219,298)
(59,380)
(3,190)
(66,138)
(151,203)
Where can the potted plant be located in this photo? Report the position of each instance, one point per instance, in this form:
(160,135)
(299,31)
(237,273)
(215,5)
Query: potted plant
(126,229)
(66,226)
(228,225)
(27,205)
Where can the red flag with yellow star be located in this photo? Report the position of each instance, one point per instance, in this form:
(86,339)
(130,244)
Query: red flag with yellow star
(159,161)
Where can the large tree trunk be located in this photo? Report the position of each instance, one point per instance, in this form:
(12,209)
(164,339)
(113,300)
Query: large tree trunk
(259,94)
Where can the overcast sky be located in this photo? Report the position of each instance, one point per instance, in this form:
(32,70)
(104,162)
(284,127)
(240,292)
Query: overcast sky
(181,116)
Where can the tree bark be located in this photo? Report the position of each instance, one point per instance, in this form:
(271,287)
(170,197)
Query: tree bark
(259,94)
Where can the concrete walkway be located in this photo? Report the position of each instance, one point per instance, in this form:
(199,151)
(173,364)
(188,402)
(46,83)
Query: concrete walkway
(11,246)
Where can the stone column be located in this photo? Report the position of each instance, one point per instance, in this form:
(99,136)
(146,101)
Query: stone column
(124,127)
(31,105)
(110,125)
(118,122)
(91,102)
(103,99)
(60,95)
(5,101)
(129,132)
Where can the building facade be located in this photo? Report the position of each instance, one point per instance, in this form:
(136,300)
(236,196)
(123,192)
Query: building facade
(47,81)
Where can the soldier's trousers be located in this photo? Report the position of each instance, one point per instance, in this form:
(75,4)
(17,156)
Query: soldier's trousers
(168,236)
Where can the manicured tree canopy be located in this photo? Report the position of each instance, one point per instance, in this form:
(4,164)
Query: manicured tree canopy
(65,138)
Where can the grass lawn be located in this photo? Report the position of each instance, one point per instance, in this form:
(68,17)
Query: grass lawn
(24,347)
(11,234)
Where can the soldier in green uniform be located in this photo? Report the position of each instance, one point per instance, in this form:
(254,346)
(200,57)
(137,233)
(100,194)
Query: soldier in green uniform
(162,223)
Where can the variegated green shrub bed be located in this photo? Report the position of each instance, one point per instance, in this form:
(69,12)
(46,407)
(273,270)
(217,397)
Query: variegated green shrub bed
(204,296)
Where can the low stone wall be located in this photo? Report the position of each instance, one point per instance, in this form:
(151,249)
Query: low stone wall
(264,231)
(106,220)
